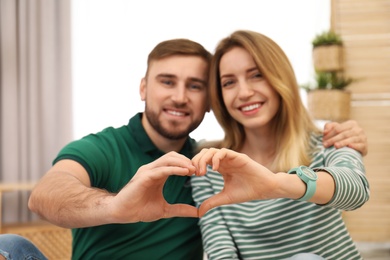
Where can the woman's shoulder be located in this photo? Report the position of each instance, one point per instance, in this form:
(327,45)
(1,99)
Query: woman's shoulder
(316,140)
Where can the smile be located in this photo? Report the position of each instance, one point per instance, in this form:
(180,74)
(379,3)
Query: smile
(175,113)
(250,107)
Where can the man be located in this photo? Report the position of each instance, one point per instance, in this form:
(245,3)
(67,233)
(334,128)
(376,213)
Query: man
(125,192)
(117,176)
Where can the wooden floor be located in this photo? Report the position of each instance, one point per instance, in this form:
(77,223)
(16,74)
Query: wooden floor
(370,251)
(374,251)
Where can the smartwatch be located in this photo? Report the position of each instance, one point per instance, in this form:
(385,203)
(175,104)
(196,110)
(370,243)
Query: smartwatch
(309,177)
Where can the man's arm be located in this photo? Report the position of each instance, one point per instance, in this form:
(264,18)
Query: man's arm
(348,133)
(64,196)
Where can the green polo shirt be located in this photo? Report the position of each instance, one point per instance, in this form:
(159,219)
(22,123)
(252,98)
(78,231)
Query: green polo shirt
(111,158)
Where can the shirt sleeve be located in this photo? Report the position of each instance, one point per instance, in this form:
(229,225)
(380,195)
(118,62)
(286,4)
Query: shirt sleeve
(93,155)
(217,240)
(348,171)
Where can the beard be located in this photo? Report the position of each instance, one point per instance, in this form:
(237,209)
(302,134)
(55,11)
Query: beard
(173,132)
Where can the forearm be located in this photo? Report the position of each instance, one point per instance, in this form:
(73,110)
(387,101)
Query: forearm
(352,188)
(63,200)
(347,169)
(341,183)
(292,187)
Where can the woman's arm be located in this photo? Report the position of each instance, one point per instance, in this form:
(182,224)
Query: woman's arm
(247,180)
(346,167)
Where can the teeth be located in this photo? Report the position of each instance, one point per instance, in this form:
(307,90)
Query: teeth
(251,107)
(175,113)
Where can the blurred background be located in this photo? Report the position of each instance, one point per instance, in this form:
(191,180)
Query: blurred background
(111,41)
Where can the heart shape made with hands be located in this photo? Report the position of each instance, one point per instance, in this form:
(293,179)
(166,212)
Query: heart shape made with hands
(244,180)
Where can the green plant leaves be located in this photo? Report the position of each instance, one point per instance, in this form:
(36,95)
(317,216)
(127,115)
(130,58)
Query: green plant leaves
(327,38)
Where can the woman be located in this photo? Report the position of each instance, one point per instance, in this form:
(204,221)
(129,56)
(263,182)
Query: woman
(268,133)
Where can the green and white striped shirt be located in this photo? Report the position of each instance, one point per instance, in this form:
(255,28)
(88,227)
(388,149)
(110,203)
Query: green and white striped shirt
(280,228)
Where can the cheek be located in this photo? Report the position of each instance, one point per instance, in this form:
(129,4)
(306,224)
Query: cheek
(201,102)
(156,93)
(228,100)
(228,97)
(276,101)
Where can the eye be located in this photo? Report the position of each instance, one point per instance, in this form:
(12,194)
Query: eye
(195,86)
(257,75)
(227,83)
(167,82)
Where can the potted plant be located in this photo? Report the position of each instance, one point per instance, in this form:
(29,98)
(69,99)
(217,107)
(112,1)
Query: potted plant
(328,98)
(327,51)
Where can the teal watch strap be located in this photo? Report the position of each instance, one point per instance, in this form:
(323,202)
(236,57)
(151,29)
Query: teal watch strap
(309,177)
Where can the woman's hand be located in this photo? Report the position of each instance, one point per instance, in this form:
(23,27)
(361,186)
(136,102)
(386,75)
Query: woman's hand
(244,178)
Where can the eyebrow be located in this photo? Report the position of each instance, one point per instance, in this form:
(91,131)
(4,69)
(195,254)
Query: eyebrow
(165,75)
(247,71)
(198,80)
(253,69)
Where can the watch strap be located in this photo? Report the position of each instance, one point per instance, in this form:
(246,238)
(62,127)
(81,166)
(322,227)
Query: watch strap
(311,185)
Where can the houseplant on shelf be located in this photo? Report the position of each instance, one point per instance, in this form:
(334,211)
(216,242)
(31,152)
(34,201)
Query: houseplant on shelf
(327,51)
(328,98)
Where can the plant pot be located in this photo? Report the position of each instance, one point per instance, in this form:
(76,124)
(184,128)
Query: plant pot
(329,104)
(328,58)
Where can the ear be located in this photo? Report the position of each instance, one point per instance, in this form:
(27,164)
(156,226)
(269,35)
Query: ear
(142,89)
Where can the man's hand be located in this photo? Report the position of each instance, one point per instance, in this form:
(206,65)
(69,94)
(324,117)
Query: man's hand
(348,133)
(64,196)
(142,198)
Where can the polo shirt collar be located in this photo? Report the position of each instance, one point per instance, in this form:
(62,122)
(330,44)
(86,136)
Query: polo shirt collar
(146,145)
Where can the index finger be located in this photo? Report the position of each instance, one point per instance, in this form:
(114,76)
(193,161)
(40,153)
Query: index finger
(172,159)
(204,158)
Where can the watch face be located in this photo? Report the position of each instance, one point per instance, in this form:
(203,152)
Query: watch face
(309,172)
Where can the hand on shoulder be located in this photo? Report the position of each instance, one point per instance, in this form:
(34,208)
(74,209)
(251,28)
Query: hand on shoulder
(348,133)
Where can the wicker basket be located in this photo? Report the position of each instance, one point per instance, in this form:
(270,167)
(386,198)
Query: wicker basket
(328,58)
(333,105)
(54,242)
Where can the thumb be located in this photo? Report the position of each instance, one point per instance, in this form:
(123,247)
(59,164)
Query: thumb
(181,210)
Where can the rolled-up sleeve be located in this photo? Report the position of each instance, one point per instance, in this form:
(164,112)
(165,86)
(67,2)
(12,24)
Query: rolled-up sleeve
(348,171)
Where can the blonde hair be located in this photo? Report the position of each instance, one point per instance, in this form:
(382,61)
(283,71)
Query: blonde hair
(292,123)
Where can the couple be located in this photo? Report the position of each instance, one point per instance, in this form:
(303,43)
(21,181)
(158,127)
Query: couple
(126,192)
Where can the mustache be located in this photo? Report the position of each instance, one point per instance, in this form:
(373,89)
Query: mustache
(178,105)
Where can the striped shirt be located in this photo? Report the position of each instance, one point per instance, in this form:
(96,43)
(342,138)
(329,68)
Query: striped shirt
(280,228)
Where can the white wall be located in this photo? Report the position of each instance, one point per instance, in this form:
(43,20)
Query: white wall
(112,38)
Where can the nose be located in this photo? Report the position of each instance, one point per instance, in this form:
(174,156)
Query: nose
(179,95)
(245,90)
